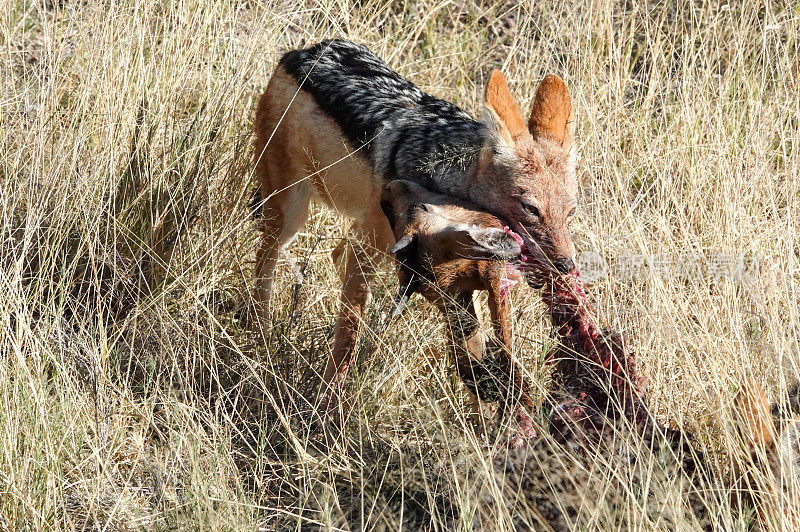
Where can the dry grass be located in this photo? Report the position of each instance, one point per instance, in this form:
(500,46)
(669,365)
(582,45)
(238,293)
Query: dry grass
(132,394)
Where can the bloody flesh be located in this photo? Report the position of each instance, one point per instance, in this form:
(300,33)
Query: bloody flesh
(594,373)
(590,364)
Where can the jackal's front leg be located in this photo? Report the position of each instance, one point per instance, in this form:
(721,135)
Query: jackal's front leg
(468,344)
(354,298)
(361,259)
(501,324)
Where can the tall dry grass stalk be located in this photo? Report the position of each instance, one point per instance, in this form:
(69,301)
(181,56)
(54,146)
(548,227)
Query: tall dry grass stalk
(133,394)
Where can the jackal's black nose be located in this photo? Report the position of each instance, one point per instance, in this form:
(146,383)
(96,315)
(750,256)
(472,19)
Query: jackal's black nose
(564,264)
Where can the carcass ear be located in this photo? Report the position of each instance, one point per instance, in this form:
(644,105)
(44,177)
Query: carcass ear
(400,301)
(503,109)
(551,114)
(409,283)
(401,244)
(388,211)
(493,243)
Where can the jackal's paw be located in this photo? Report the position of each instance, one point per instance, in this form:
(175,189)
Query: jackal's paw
(331,410)
(327,408)
(255,316)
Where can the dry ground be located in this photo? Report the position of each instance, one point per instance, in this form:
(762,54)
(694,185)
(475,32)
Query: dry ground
(133,396)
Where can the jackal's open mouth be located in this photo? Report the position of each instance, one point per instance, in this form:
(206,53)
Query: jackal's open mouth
(527,264)
(524,256)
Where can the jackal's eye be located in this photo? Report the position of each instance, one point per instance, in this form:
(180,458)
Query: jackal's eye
(414,207)
(530,209)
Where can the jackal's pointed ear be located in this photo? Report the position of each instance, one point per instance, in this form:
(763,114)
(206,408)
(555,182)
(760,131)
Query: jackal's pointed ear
(503,109)
(551,113)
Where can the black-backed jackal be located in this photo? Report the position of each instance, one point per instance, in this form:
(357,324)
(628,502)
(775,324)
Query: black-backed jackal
(336,123)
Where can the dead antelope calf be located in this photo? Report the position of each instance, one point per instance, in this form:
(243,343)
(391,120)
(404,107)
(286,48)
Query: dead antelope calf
(446,251)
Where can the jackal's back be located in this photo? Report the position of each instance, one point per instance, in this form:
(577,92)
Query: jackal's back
(403,131)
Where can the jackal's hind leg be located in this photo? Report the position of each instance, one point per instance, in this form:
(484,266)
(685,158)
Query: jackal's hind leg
(284,214)
(338,256)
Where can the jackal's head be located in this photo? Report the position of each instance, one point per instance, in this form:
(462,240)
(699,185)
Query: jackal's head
(526,171)
(438,238)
